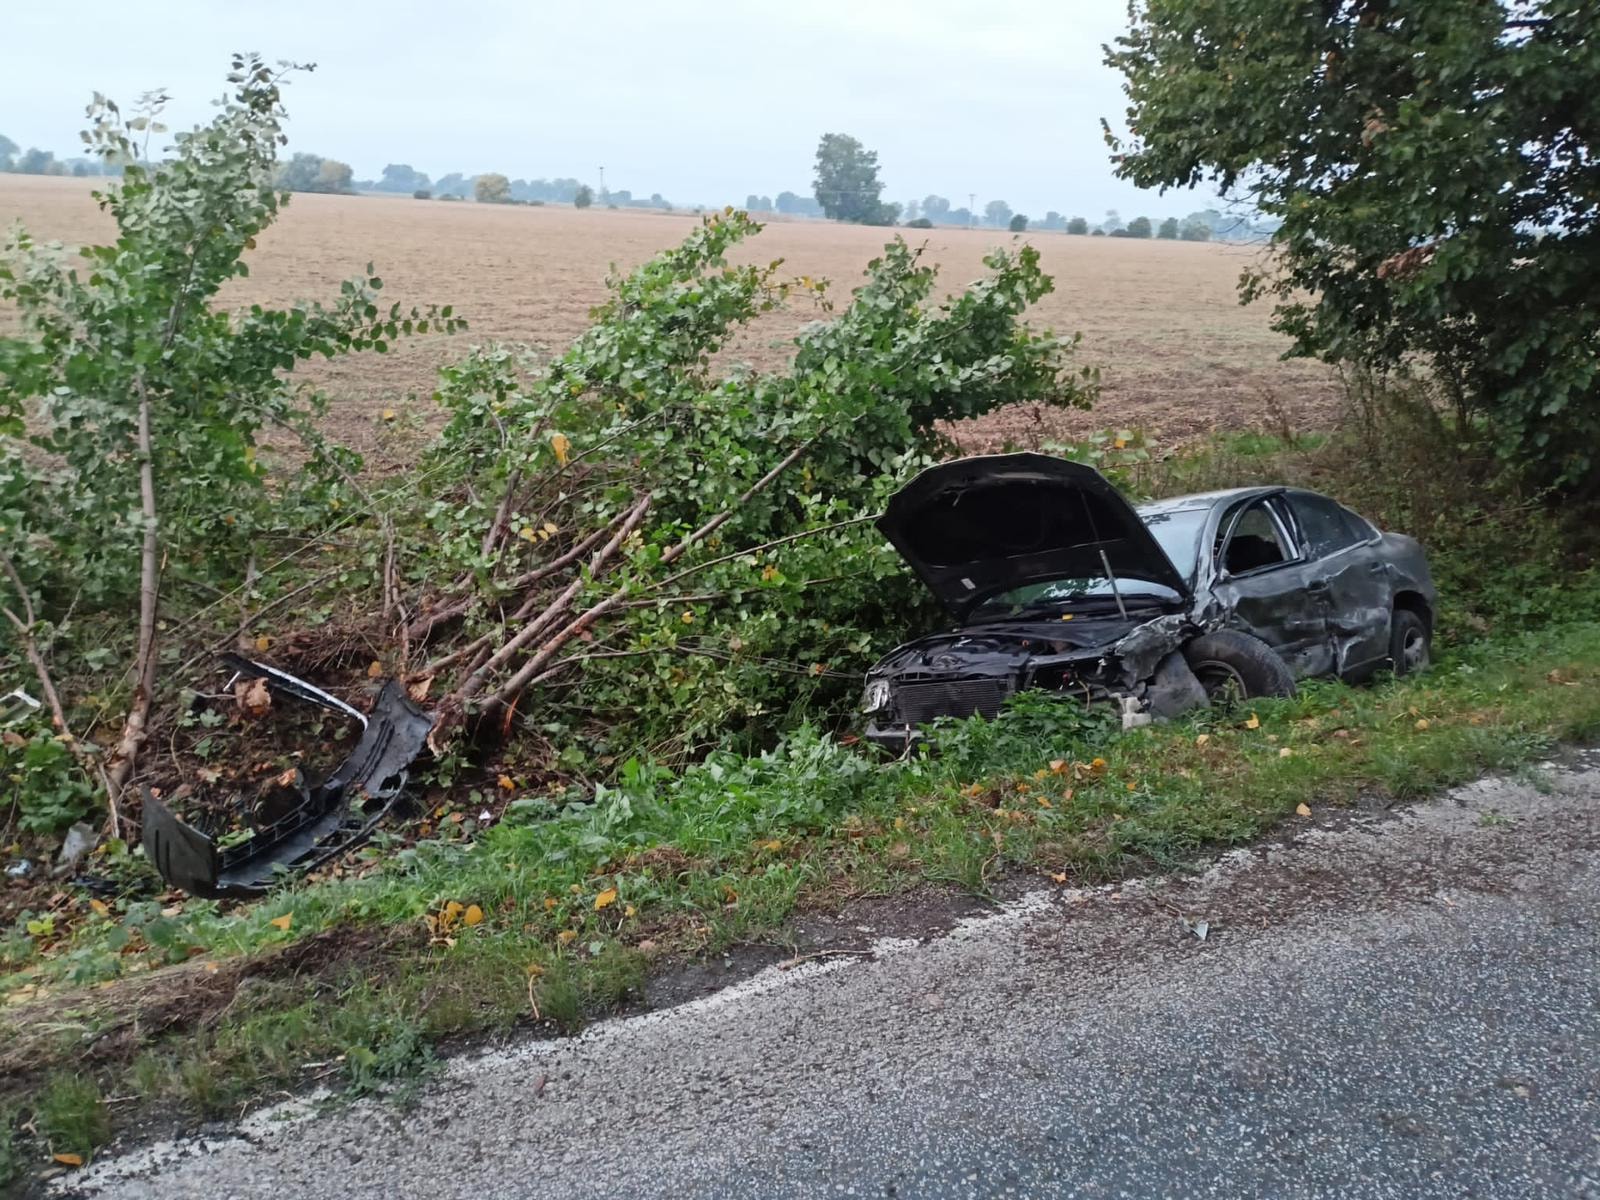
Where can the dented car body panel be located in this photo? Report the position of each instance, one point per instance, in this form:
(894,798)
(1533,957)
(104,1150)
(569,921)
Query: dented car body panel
(1077,601)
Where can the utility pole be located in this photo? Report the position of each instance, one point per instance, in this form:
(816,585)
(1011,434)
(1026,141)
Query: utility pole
(972,215)
(602,185)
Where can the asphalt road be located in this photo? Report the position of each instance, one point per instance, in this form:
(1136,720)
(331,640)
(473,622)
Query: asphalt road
(1398,1005)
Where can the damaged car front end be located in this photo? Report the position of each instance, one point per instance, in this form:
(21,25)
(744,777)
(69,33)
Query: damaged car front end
(1057,583)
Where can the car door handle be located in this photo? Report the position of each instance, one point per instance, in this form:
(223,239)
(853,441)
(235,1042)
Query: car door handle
(1317,586)
(1378,568)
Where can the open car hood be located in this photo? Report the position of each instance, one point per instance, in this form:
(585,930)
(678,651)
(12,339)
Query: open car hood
(976,527)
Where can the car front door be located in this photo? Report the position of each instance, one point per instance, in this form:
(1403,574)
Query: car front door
(1272,589)
(1360,593)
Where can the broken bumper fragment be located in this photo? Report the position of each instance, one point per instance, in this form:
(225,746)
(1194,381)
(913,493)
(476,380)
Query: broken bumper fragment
(327,818)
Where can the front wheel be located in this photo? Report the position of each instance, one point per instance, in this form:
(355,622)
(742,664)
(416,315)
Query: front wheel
(1234,666)
(1410,643)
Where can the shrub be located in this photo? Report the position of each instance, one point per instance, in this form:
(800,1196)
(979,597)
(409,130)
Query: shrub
(919,223)
(422,194)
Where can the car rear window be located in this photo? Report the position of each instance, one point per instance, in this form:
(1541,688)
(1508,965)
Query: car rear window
(1328,527)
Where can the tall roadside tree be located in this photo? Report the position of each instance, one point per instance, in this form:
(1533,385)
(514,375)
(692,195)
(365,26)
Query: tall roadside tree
(8,152)
(846,182)
(1435,167)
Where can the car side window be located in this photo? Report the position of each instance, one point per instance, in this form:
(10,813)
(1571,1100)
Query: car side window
(1328,528)
(1255,540)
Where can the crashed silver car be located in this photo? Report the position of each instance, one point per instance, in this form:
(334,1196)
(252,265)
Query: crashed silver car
(1056,582)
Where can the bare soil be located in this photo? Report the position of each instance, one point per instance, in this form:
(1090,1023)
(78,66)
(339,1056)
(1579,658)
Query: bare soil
(1179,356)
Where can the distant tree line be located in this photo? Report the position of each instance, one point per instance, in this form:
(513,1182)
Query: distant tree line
(14,160)
(845,188)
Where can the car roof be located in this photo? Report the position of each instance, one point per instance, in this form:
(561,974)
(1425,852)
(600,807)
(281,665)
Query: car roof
(1203,499)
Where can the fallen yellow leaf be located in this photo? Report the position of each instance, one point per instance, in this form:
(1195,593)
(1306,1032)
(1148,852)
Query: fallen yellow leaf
(1253,723)
(567,936)
(69,1160)
(562,445)
(629,911)
(100,907)
(507,784)
(389,414)
(374,669)
(1060,878)
(473,915)
(549,903)
(1058,765)
(1044,802)
(282,922)
(775,844)
(1285,752)
(1422,724)
(688,617)
(263,643)
(1202,739)
(1303,809)
(606,898)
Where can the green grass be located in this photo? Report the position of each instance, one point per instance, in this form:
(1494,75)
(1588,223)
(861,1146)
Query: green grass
(578,895)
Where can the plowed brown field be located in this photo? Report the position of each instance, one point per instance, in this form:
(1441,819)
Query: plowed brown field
(1179,356)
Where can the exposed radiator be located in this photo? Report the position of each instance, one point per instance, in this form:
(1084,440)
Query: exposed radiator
(917,703)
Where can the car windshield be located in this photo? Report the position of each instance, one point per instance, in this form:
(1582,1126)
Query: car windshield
(1177,532)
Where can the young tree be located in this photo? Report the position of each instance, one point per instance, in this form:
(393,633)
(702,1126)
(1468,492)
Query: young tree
(911,210)
(1195,231)
(8,152)
(1169,229)
(997,213)
(936,208)
(491,189)
(1078,225)
(583,197)
(1139,227)
(960,216)
(1053,220)
(1018,224)
(1427,160)
(1112,223)
(131,402)
(846,180)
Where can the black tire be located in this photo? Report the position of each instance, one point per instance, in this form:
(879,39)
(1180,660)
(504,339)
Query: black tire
(1234,666)
(1410,642)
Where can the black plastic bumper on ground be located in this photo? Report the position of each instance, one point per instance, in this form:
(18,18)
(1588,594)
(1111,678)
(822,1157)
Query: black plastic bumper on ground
(332,816)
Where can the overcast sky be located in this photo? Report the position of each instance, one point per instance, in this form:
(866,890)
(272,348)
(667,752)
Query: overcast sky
(704,103)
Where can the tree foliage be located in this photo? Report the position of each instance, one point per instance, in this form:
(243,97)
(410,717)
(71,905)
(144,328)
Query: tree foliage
(131,404)
(313,173)
(731,599)
(1078,225)
(1169,229)
(997,213)
(1434,166)
(846,182)
(1018,223)
(583,197)
(1139,227)
(491,189)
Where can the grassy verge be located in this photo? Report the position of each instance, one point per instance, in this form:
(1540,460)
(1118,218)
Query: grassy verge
(556,912)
